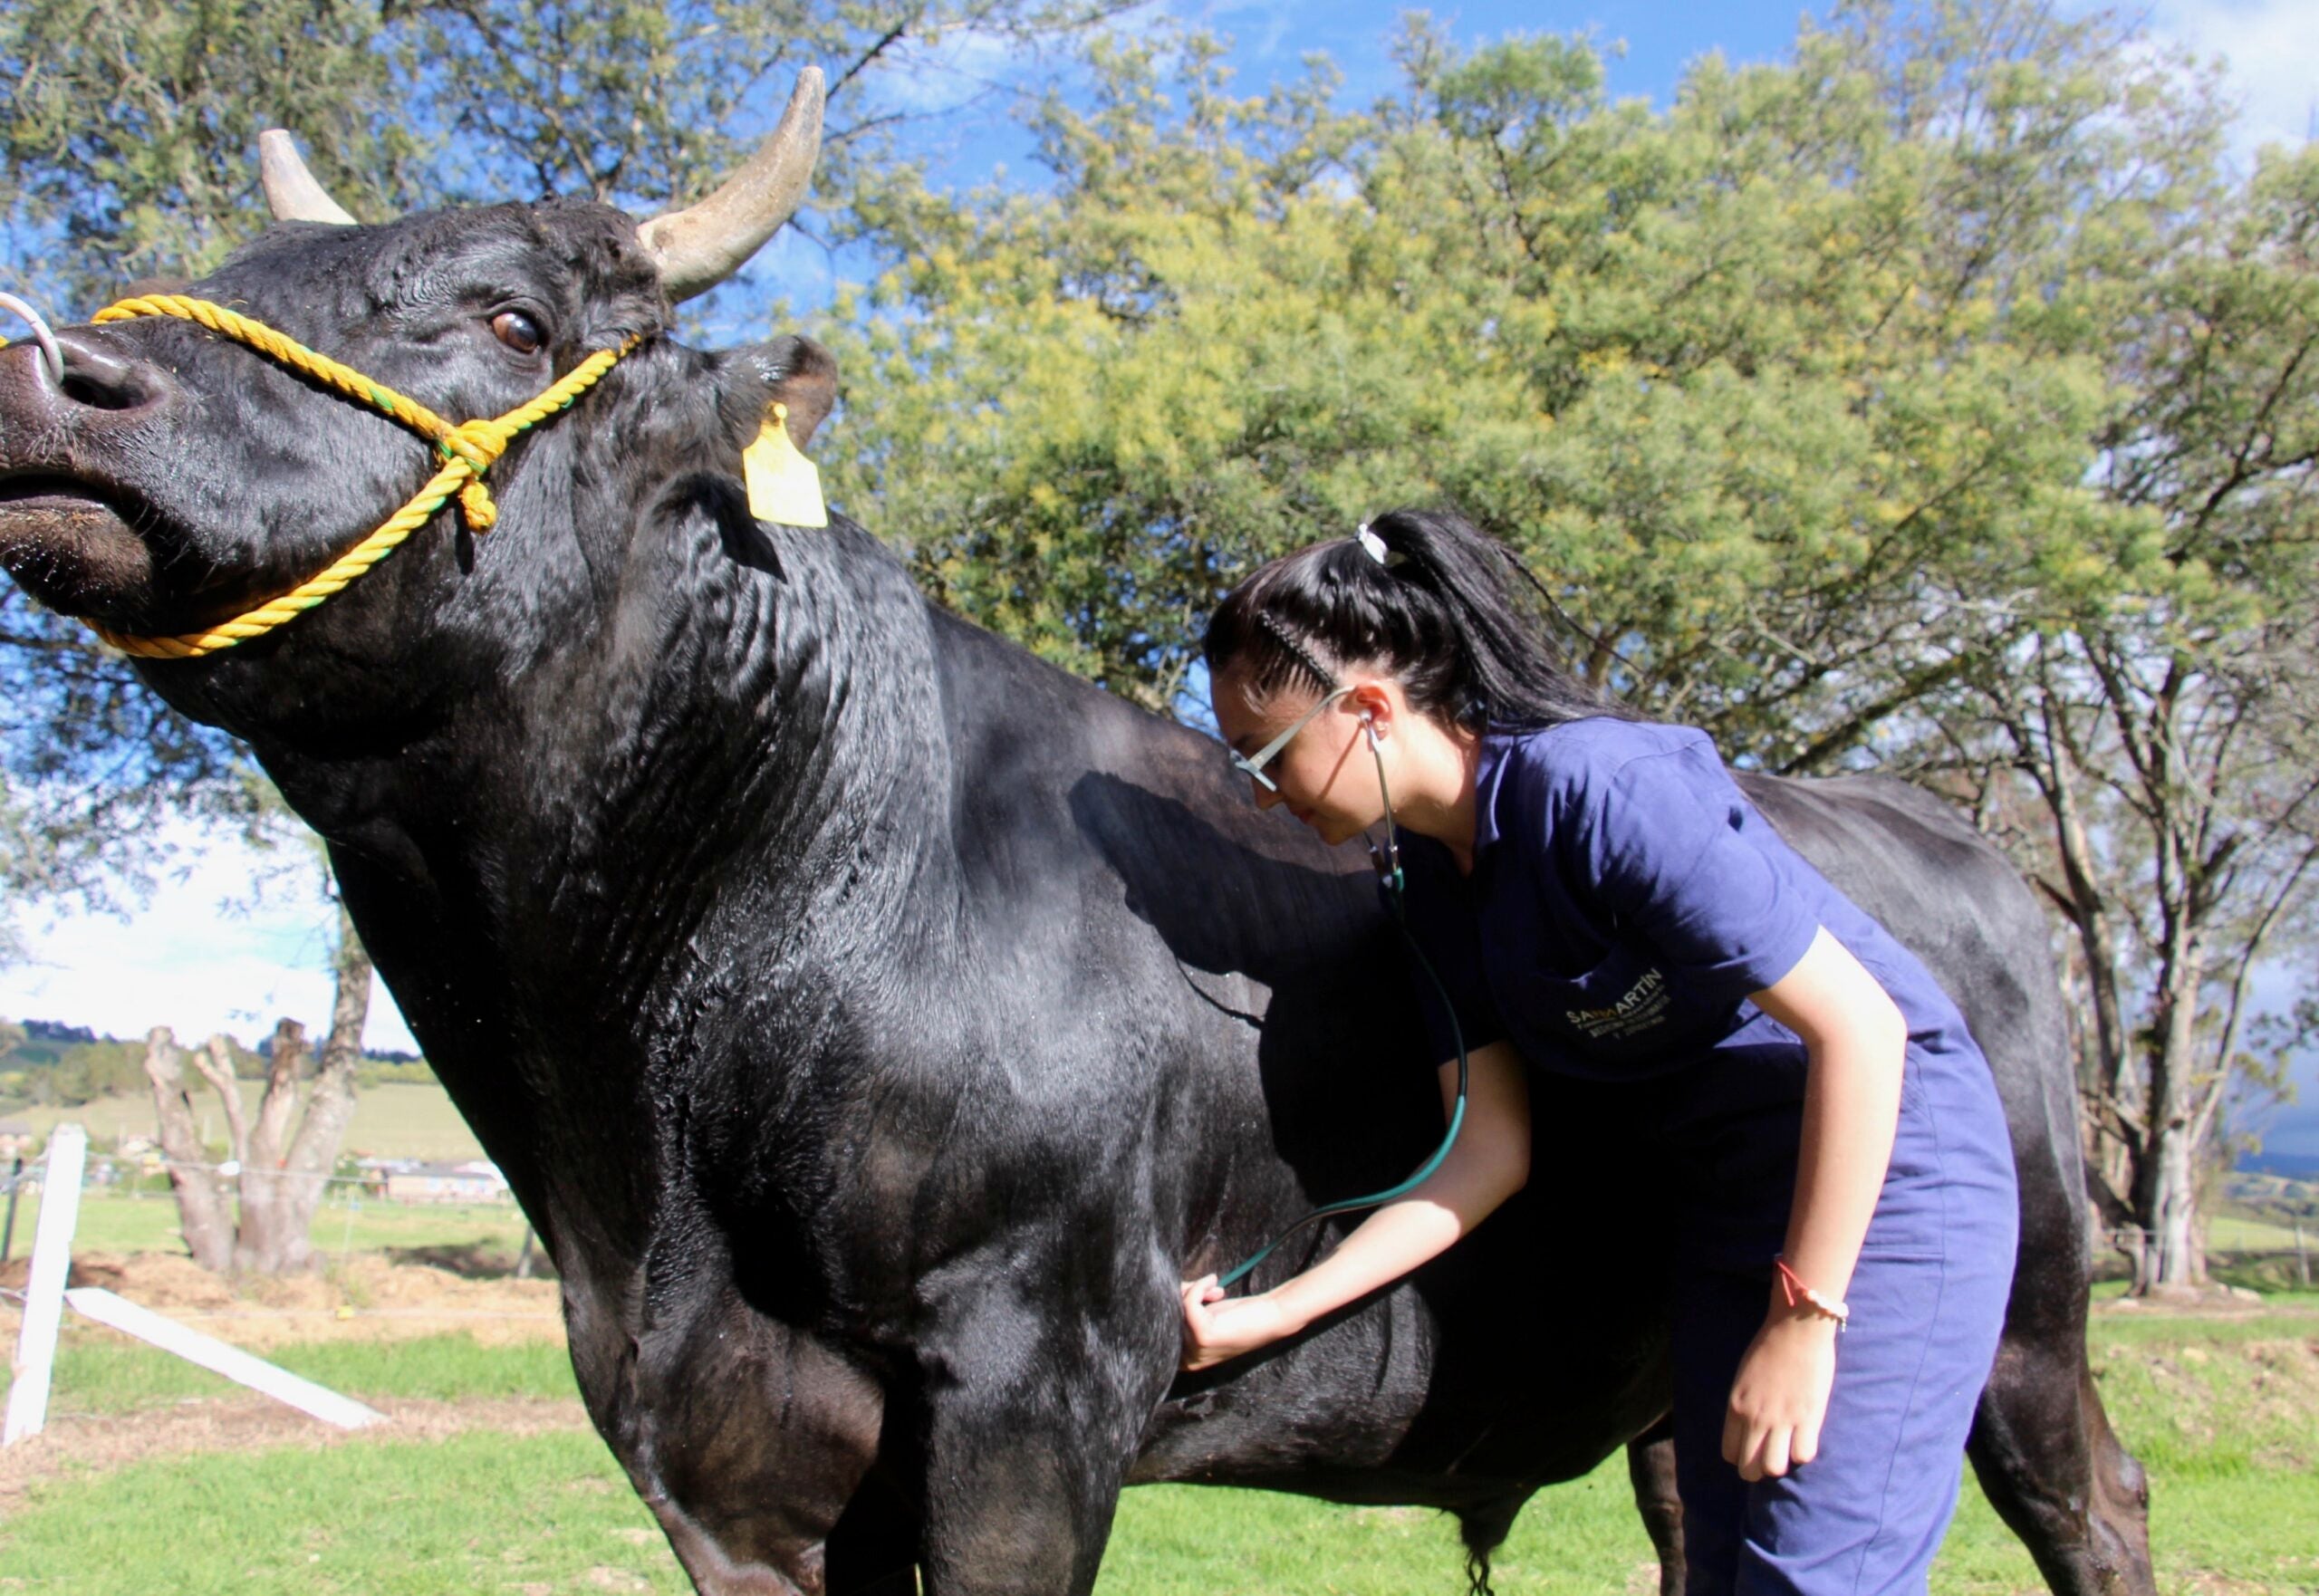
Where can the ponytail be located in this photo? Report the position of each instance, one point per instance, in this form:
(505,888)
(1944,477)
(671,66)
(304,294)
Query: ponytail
(1422,594)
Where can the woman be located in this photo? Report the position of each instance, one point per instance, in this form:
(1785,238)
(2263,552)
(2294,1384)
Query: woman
(1600,900)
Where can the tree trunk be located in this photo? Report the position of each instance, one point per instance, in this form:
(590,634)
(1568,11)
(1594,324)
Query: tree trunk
(265,1244)
(215,1061)
(201,1209)
(2177,1263)
(283,1177)
(329,1105)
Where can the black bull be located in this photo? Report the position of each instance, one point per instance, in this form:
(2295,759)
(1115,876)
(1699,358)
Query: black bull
(877,1023)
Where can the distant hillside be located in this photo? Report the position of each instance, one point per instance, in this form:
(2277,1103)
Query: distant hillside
(396,1121)
(44,1064)
(2293,1166)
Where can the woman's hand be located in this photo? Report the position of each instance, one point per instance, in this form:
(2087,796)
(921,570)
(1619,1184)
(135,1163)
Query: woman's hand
(1781,1394)
(1217,1328)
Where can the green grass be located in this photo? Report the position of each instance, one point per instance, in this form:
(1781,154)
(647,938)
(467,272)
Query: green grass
(473,1513)
(117,1222)
(2224,1411)
(2248,1233)
(97,1372)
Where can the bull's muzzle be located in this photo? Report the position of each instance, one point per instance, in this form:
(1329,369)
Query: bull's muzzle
(68,530)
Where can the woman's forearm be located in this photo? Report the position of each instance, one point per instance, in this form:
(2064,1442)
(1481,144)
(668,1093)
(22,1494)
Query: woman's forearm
(1855,1043)
(1855,1039)
(1489,1162)
(1410,1231)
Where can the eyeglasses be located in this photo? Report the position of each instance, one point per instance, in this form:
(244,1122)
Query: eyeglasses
(1252,765)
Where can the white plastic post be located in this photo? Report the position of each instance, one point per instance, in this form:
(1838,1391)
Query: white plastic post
(59,1209)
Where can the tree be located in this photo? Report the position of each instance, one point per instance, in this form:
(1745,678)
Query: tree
(280,1175)
(2168,740)
(1933,402)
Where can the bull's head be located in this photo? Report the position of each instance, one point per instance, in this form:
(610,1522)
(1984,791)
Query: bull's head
(165,479)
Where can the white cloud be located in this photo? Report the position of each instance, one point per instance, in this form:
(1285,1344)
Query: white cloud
(199,957)
(2272,47)
(919,78)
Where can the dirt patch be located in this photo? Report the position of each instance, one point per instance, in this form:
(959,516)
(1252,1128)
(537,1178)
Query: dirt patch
(99,1443)
(367,1298)
(2221,1302)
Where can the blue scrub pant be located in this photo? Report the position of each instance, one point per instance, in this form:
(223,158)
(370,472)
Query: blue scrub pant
(1927,1301)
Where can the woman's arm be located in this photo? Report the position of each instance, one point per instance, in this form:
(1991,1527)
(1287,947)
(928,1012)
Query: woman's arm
(1489,1163)
(1854,1039)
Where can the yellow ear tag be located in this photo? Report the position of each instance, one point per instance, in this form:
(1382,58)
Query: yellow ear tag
(784,484)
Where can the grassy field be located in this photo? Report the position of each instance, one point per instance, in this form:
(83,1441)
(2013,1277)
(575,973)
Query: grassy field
(2248,1232)
(391,1121)
(115,1222)
(2225,1412)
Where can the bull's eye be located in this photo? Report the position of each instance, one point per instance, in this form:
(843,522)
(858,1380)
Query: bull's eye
(518,332)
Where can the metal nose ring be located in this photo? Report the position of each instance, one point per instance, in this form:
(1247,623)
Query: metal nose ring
(41,335)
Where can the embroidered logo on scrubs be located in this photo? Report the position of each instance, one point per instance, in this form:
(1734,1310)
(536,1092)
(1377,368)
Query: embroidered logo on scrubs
(1645,1003)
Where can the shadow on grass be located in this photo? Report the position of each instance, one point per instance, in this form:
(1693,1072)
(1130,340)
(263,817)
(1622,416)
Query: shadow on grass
(476,1260)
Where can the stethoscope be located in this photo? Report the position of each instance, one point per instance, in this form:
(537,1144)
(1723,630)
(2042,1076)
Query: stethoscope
(1387,857)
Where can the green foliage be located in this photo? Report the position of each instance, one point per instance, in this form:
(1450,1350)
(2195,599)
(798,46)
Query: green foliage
(69,1073)
(130,132)
(74,1073)
(373,1073)
(1790,390)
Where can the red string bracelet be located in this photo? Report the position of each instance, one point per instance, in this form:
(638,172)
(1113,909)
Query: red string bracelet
(1792,1287)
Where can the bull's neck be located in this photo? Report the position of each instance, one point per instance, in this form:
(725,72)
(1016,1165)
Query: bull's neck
(771,718)
(732,744)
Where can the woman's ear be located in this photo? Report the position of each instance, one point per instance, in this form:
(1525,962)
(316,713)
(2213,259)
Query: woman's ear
(1374,701)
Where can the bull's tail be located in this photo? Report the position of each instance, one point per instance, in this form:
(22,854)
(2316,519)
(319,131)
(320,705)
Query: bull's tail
(1482,1528)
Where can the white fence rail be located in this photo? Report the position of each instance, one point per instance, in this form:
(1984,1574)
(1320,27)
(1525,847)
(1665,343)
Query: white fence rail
(45,1297)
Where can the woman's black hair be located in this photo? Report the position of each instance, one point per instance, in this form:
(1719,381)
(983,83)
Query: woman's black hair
(1438,610)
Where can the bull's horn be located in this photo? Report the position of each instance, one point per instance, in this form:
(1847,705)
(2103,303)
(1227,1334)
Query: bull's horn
(290,191)
(702,245)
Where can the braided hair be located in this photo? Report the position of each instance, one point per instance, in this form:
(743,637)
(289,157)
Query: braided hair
(1422,594)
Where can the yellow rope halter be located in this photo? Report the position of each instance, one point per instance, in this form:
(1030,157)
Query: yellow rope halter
(467,451)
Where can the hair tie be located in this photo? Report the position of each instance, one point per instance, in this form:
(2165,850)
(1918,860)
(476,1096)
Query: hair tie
(1374,547)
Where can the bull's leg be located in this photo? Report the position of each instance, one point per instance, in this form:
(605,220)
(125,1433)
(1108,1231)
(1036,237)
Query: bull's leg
(1650,1469)
(1029,1429)
(1021,1487)
(2055,1472)
(752,1442)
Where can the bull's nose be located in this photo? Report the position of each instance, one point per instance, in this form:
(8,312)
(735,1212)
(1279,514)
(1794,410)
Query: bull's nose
(101,376)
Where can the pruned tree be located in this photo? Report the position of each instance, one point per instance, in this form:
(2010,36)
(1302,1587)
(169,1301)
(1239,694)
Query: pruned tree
(202,1216)
(282,1159)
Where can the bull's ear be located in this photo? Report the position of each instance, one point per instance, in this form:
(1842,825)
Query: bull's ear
(792,372)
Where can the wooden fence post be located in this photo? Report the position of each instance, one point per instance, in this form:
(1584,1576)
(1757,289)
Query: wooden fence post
(8,1234)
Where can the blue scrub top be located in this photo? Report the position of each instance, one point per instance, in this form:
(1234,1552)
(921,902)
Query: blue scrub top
(1625,899)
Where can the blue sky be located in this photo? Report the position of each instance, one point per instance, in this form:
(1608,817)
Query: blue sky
(185,961)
